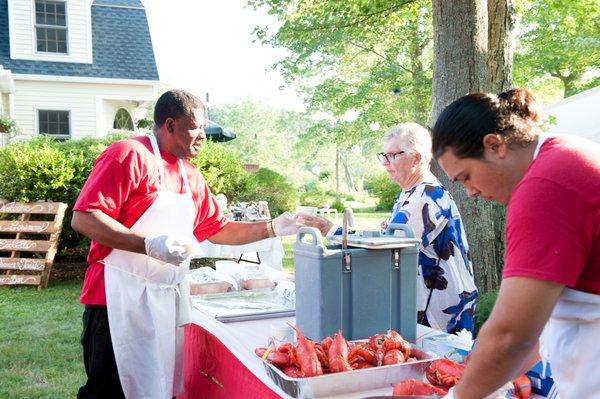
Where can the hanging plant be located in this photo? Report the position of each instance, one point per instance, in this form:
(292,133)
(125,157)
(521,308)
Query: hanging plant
(7,125)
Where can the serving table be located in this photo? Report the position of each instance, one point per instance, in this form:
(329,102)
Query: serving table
(226,367)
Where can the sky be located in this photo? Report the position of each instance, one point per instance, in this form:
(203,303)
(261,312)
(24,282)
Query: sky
(206,46)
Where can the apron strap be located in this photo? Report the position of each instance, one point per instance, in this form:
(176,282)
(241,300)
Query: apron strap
(186,184)
(160,169)
(541,139)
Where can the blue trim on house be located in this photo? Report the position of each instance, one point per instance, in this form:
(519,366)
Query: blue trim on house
(122,46)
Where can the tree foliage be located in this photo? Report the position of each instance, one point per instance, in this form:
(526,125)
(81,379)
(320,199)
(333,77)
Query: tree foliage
(365,65)
(268,185)
(265,135)
(371,57)
(222,170)
(560,40)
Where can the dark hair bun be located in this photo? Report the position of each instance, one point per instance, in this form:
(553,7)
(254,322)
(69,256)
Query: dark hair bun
(523,103)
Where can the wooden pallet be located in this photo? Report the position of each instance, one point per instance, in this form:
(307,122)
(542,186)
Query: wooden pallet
(29,260)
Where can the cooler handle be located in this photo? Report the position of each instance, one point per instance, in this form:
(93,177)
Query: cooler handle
(304,231)
(399,226)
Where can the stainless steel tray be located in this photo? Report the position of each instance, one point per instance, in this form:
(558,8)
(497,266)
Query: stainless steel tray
(383,242)
(256,316)
(349,381)
(244,305)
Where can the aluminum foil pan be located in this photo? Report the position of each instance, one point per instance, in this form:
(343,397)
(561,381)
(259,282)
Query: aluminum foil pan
(350,381)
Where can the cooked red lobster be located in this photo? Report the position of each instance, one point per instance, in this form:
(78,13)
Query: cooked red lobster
(416,388)
(335,354)
(444,373)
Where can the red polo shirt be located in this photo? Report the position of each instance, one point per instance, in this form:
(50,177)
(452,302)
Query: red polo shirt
(123,184)
(553,217)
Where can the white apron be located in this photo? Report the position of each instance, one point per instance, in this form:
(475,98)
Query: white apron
(570,344)
(142,297)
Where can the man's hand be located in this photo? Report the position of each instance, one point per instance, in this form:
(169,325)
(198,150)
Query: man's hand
(285,225)
(320,223)
(168,249)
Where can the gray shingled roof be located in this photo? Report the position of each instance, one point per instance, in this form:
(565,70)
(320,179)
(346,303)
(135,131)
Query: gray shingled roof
(122,47)
(122,3)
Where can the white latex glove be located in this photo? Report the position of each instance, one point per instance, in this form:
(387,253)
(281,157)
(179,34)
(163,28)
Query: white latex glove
(168,249)
(285,225)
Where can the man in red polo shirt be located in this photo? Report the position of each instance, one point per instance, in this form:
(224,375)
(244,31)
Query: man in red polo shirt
(143,206)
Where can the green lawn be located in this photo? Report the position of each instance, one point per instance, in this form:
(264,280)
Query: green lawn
(40,354)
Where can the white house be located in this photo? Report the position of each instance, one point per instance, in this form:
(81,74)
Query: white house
(75,68)
(578,114)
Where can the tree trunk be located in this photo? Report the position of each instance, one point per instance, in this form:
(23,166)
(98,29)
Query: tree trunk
(419,78)
(347,174)
(460,67)
(500,44)
(337,169)
(570,87)
(459,50)
(501,22)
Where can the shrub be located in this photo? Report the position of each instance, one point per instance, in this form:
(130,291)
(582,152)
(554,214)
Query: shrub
(45,169)
(384,189)
(485,303)
(268,185)
(223,171)
(324,175)
(338,204)
(312,195)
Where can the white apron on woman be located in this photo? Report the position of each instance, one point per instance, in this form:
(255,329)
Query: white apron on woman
(142,297)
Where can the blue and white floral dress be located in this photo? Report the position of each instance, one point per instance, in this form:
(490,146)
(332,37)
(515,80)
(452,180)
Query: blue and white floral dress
(446,292)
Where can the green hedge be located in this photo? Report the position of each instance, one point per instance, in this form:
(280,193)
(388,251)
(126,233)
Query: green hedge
(223,171)
(46,169)
(268,185)
(313,195)
(381,187)
(485,303)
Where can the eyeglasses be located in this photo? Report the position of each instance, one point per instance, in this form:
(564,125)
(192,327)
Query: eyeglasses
(388,157)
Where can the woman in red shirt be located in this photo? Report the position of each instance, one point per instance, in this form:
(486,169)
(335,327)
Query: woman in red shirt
(550,290)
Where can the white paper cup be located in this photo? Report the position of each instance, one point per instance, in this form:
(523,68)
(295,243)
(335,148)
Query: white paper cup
(307,210)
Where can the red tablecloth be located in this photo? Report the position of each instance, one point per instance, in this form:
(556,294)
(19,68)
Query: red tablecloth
(212,371)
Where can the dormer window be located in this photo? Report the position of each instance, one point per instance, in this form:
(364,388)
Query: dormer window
(51,26)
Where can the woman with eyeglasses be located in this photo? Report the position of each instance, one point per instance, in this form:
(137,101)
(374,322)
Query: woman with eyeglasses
(446,292)
(550,291)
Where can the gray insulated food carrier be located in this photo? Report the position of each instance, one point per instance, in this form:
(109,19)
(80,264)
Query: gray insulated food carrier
(358,291)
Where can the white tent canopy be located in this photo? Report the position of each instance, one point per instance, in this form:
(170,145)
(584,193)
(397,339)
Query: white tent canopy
(578,115)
